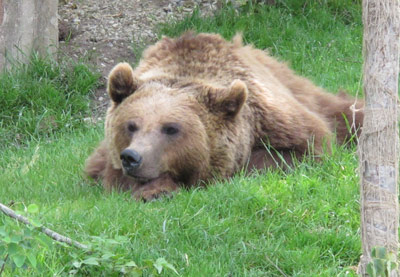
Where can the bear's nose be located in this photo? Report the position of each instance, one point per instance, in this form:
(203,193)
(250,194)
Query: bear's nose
(130,159)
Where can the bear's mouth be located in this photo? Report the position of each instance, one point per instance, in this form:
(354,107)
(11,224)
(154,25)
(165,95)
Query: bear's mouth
(138,178)
(142,180)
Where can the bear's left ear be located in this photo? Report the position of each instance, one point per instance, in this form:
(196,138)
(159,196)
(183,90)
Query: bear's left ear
(121,82)
(228,101)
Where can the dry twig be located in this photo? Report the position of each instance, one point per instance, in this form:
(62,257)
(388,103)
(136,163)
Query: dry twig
(276,266)
(54,235)
(4,264)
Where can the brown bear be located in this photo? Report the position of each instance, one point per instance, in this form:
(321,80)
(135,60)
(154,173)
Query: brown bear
(199,107)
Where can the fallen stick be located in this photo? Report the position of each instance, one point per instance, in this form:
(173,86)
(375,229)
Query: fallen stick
(4,265)
(54,235)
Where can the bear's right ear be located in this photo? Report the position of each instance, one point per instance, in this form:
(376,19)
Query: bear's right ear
(121,82)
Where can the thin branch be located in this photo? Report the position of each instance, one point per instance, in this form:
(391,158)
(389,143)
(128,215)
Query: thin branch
(276,266)
(4,264)
(54,235)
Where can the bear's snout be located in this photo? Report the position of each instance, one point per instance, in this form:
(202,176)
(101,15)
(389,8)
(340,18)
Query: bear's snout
(131,159)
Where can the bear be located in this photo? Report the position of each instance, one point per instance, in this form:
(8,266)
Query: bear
(199,107)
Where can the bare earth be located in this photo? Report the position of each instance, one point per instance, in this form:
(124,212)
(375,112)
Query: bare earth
(106,32)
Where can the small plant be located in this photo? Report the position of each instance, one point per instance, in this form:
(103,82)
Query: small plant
(22,246)
(382,263)
(105,256)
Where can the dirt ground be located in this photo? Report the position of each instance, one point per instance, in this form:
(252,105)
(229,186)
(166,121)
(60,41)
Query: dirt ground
(104,32)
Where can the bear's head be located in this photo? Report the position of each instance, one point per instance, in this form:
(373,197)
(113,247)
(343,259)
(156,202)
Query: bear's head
(158,127)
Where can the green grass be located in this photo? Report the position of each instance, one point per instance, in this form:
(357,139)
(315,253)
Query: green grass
(43,97)
(303,223)
(321,41)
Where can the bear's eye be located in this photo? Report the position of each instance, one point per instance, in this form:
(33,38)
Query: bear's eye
(170,129)
(132,127)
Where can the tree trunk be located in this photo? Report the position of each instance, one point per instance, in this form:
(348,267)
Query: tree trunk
(26,26)
(378,146)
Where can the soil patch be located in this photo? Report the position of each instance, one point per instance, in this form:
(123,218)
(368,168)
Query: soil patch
(104,32)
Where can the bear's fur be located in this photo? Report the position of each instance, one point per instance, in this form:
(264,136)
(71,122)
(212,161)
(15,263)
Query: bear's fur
(199,107)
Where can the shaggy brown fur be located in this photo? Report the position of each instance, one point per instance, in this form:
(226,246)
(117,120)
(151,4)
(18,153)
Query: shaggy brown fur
(199,106)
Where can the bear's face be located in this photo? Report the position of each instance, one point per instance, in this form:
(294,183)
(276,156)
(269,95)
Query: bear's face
(153,129)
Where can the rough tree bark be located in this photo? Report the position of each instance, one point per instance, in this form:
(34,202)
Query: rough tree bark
(378,145)
(26,26)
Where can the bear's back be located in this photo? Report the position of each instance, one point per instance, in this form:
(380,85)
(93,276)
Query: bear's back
(205,57)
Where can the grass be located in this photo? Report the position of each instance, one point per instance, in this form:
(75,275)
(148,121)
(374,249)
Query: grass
(320,41)
(301,223)
(43,97)
(305,221)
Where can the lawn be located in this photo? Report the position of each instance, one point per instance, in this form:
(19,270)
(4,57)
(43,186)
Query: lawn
(304,222)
